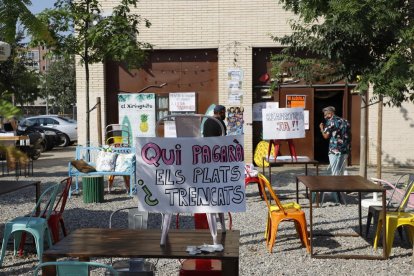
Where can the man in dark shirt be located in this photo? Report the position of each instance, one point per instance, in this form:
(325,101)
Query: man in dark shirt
(337,130)
(211,127)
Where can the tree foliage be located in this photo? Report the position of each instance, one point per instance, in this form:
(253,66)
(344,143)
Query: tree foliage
(14,12)
(16,79)
(372,40)
(59,83)
(82,28)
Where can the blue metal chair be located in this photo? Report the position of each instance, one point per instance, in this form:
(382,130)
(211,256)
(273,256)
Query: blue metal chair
(74,268)
(34,224)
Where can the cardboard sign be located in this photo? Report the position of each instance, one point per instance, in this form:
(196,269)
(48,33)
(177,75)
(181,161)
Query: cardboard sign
(283,123)
(191,174)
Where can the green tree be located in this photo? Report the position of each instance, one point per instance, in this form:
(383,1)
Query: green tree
(80,28)
(59,83)
(369,41)
(16,80)
(14,12)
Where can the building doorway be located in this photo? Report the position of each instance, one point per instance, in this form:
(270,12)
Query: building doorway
(323,99)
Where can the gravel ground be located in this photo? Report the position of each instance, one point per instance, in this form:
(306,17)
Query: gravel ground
(288,257)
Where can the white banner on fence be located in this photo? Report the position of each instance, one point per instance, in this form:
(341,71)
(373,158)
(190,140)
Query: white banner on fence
(191,175)
(283,123)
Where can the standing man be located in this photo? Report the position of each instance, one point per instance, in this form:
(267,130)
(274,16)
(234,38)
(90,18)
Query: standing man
(211,128)
(338,130)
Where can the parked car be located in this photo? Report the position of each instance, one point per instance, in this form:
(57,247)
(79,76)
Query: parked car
(68,126)
(51,137)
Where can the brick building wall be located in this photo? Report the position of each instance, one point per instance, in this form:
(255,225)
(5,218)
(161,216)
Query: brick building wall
(397,135)
(234,28)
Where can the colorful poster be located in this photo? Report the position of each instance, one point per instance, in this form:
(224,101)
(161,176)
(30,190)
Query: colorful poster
(235,120)
(182,102)
(283,123)
(190,174)
(137,111)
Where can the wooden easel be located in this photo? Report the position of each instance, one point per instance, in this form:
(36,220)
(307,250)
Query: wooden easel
(276,143)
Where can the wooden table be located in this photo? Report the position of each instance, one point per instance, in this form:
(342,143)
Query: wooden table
(287,160)
(342,183)
(133,243)
(11,186)
(23,140)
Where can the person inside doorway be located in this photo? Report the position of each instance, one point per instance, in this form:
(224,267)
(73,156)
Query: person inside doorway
(337,130)
(211,128)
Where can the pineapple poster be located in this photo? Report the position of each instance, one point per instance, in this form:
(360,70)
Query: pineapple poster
(137,111)
(191,174)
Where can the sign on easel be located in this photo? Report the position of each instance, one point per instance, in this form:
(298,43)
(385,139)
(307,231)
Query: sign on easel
(190,174)
(283,123)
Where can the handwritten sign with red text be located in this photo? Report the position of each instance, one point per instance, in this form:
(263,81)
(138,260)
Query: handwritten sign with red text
(182,101)
(191,174)
(283,123)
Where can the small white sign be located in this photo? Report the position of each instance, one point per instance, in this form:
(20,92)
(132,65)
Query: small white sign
(235,74)
(182,101)
(306,119)
(169,129)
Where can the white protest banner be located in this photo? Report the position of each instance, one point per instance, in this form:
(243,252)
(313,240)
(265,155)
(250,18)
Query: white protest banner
(182,102)
(191,174)
(283,123)
(137,111)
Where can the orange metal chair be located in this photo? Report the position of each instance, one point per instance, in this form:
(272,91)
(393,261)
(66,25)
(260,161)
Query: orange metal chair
(201,267)
(274,207)
(281,213)
(56,217)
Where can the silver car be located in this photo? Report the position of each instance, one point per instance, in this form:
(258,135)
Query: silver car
(66,125)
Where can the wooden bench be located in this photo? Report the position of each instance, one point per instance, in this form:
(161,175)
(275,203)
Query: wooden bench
(90,154)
